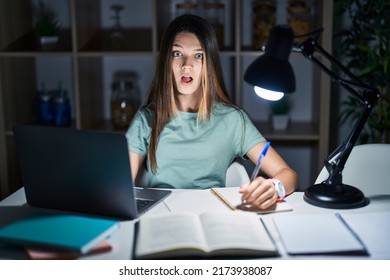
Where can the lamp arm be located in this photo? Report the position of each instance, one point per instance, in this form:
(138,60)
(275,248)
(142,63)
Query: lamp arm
(335,162)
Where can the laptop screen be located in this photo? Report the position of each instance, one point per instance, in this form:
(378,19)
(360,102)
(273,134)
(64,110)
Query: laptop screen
(76,170)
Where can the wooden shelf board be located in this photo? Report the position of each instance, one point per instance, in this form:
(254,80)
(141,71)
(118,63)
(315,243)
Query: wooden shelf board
(30,43)
(135,40)
(296,131)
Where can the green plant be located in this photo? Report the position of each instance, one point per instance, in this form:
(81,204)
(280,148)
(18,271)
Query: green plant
(365,48)
(46,23)
(280,107)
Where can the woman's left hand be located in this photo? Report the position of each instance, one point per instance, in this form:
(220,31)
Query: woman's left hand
(259,193)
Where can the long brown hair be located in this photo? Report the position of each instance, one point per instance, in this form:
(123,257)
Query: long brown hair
(161,97)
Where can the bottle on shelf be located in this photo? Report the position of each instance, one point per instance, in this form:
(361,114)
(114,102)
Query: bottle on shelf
(117,36)
(61,108)
(43,106)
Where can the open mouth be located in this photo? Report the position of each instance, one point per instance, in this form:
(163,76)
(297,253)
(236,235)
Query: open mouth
(186,79)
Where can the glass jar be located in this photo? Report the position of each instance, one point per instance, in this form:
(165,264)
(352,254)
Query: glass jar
(214,13)
(186,8)
(299,18)
(264,18)
(125,99)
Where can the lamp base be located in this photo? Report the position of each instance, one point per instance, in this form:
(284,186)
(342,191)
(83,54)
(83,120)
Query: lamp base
(338,196)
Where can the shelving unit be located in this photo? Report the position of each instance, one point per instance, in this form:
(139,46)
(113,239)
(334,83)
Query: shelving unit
(84,63)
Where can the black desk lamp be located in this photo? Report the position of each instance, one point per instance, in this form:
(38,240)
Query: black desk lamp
(273,72)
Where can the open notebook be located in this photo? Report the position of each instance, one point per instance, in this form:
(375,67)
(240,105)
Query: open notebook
(216,199)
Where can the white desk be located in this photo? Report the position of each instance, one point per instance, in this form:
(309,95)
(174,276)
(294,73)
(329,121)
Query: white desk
(122,241)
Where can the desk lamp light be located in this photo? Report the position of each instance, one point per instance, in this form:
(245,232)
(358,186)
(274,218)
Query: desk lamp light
(273,72)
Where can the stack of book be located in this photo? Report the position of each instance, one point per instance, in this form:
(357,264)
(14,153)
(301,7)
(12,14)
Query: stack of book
(59,236)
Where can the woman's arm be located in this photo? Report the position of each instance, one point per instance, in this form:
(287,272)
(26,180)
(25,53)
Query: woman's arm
(136,162)
(261,192)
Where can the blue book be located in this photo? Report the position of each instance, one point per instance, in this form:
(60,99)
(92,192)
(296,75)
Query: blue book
(58,232)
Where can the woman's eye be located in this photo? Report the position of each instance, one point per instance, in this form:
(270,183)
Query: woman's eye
(199,55)
(176,54)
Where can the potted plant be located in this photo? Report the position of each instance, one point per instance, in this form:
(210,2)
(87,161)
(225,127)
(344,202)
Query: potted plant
(280,110)
(46,25)
(365,49)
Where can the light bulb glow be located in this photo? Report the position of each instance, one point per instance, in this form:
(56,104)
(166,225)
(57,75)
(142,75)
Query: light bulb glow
(268,94)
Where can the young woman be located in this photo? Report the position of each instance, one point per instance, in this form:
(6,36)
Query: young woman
(189,131)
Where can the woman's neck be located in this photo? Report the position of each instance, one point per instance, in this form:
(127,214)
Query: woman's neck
(188,103)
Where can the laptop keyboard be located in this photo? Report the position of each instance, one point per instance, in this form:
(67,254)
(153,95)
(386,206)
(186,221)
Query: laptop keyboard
(143,203)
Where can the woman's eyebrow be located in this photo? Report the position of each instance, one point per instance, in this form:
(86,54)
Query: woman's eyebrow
(180,46)
(177,45)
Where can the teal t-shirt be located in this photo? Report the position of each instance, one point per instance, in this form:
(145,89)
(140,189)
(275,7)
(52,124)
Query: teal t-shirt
(191,154)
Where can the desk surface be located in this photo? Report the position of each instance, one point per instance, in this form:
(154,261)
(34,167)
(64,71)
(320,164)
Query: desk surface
(122,241)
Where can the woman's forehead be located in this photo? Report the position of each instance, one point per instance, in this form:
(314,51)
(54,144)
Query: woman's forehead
(187,39)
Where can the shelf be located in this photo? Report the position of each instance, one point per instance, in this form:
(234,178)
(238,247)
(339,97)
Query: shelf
(133,40)
(296,131)
(85,61)
(30,43)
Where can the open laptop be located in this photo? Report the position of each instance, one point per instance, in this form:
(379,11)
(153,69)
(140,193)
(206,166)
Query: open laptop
(80,171)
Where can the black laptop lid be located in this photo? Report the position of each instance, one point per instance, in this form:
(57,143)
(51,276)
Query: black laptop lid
(76,170)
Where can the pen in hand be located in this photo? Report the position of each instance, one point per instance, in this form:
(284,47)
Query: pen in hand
(256,170)
(259,160)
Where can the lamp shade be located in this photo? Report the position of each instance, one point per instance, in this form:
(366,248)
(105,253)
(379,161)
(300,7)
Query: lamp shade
(272,70)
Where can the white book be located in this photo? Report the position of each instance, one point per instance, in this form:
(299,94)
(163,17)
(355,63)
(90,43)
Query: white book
(208,234)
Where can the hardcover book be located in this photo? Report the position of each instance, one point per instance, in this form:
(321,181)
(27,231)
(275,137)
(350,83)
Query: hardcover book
(37,254)
(69,233)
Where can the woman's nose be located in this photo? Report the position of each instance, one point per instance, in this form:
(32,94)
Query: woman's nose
(187,62)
